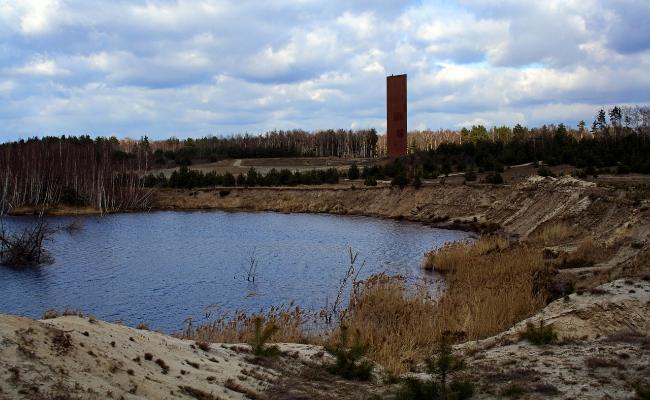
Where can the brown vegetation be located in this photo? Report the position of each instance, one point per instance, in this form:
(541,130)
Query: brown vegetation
(491,285)
(552,234)
(25,248)
(241,327)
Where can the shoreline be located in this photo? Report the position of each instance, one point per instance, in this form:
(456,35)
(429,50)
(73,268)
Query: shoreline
(606,314)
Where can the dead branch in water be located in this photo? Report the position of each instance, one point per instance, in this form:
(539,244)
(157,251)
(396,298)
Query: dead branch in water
(26,247)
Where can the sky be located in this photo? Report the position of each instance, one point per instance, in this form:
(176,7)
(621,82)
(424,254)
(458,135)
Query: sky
(191,68)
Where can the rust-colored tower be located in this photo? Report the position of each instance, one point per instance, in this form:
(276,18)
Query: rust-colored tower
(396,115)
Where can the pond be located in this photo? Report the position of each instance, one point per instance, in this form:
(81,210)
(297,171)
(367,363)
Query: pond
(162,267)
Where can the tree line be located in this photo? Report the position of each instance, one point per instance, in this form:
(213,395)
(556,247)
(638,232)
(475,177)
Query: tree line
(620,143)
(188,178)
(77,171)
(293,143)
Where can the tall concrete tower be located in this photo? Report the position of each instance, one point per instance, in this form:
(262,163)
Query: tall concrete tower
(396,115)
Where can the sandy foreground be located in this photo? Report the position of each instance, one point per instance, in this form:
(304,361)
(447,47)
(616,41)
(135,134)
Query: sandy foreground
(604,351)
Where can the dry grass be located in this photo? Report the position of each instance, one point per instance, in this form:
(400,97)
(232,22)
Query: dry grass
(551,234)
(586,254)
(451,255)
(491,285)
(240,328)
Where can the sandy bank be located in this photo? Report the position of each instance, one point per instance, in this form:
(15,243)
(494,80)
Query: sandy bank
(603,351)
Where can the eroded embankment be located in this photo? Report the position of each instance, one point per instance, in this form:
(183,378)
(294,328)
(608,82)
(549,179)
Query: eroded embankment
(519,209)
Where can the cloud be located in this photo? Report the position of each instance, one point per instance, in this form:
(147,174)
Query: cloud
(41,67)
(198,67)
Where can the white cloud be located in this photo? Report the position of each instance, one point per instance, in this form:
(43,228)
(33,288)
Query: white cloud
(196,67)
(41,67)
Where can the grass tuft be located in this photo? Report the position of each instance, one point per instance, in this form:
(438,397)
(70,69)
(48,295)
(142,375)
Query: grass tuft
(552,234)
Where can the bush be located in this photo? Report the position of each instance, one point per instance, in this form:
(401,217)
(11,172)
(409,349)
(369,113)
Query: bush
(590,170)
(442,365)
(494,178)
(417,182)
(538,336)
(513,390)
(543,171)
(415,389)
(470,175)
(353,172)
(400,181)
(349,363)
(622,170)
(72,198)
(27,247)
(370,181)
(580,173)
(642,392)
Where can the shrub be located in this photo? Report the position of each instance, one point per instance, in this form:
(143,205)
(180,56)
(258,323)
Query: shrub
(470,175)
(71,197)
(417,182)
(400,181)
(353,172)
(494,178)
(370,181)
(591,170)
(580,173)
(642,392)
(442,365)
(513,390)
(541,335)
(349,363)
(262,332)
(415,389)
(622,170)
(544,171)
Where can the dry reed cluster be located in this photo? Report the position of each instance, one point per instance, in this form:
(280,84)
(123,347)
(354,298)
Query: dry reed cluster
(551,235)
(490,285)
(240,328)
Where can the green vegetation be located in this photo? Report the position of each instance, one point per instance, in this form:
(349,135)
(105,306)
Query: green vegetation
(539,335)
(642,392)
(544,171)
(494,178)
(443,365)
(399,181)
(262,332)
(187,178)
(370,181)
(353,172)
(349,357)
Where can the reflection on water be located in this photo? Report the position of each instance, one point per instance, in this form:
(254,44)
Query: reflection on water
(163,267)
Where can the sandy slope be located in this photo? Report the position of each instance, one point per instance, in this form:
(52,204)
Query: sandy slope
(602,353)
(85,359)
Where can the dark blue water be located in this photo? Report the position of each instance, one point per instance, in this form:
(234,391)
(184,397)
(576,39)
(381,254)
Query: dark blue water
(162,267)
